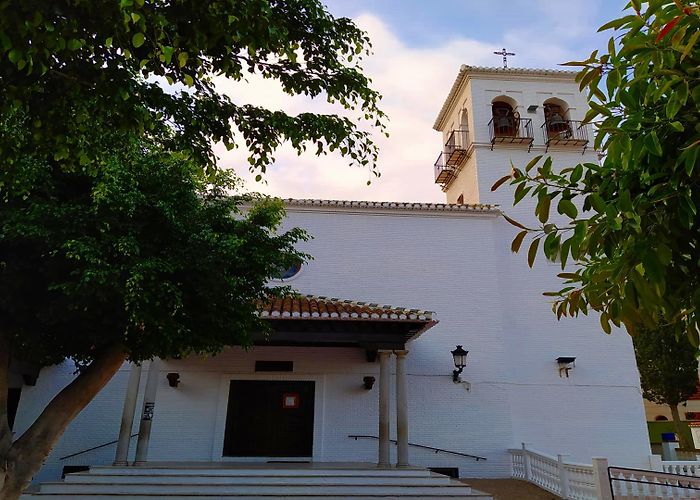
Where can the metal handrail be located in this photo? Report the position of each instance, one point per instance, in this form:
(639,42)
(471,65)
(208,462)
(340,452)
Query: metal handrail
(94,448)
(436,450)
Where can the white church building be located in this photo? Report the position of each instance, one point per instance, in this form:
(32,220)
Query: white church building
(361,367)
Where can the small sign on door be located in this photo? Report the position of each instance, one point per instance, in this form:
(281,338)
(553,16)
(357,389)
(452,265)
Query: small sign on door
(290,400)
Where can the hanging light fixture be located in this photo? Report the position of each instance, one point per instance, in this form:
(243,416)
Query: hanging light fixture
(459,356)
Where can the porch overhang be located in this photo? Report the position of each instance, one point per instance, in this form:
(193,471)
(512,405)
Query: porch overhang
(312,321)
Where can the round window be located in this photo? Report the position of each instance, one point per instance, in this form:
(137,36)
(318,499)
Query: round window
(290,272)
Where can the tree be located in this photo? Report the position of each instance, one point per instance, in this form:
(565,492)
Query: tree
(630,223)
(668,370)
(147,66)
(146,257)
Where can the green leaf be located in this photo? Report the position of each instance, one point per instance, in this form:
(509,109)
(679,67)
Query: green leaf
(189,81)
(691,158)
(651,141)
(532,252)
(182,59)
(500,182)
(597,203)
(513,222)
(678,126)
(605,323)
(567,208)
(542,209)
(673,105)
(533,162)
(14,56)
(518,241)
(576,173)
(138,39)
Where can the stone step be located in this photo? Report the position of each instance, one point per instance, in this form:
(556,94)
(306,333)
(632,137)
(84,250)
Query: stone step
(157,478)
(336,489)
(157,496)
(258,471)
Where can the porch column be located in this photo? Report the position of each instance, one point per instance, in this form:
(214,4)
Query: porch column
(384,376)
(401,410)
(149,401)
(132,392)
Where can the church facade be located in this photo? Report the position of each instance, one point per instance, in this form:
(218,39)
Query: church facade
(361,367)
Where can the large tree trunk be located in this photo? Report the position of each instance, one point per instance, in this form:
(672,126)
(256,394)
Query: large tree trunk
(19,461)
(679,428)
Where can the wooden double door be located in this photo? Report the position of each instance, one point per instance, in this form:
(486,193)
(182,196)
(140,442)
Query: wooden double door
(270,418)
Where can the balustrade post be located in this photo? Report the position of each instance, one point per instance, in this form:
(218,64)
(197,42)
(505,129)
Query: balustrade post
(563,477)
(656,463)
(528,464)
(602,480)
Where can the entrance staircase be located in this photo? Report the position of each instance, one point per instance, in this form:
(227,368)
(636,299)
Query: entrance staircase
(224,481)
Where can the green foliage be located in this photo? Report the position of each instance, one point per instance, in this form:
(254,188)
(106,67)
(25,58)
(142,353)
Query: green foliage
(668,366)
(147,253)
(631,224)
(67,64)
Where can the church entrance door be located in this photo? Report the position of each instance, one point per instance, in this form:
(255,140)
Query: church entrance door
(270,418)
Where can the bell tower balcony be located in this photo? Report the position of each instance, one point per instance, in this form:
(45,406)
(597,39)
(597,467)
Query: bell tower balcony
(560,132)
(455,152)
(511,130)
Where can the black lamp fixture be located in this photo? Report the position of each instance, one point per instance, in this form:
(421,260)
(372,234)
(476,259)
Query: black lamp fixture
(368,382)
(566,363)
(173,379)
(459,356)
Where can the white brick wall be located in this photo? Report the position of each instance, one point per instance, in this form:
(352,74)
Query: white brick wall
(486,299)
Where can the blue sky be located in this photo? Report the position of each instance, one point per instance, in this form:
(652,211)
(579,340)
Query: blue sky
(418,49)
(569,24)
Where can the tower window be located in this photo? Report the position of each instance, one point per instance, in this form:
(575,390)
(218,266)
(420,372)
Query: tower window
(556,119)
(505,119)
(460,200)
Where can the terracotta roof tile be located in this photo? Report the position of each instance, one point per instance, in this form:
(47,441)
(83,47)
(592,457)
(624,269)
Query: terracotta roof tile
(317,307)
(391,205)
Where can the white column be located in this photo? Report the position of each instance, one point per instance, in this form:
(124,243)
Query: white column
(384,375)
(132,392)
(401,410)
(149,401)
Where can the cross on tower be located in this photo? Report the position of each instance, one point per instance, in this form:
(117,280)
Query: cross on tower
(505,56)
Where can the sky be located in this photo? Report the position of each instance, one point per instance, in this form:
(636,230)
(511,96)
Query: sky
(418,48)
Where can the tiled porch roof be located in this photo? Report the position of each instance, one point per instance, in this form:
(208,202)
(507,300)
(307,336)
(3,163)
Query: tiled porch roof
(326,308)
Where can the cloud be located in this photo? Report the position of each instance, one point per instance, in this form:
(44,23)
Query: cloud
(414,82)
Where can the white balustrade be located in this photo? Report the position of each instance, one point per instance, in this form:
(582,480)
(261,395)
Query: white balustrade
(547,472)
(684,468)
(598,481)
(633,484)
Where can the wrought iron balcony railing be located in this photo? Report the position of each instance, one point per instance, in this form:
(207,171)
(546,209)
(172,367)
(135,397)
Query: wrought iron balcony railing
(456,147)
(565,133)
(443,173)
(511,130)
(455,152)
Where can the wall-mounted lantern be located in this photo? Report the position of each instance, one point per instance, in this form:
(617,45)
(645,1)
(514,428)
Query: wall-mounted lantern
(173,379)
(459,356)
(368,382)
(566,363)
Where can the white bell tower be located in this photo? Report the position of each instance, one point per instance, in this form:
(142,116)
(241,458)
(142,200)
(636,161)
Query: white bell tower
(493,116)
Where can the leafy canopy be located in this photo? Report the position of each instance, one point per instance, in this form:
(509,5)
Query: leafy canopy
(147,254)
(631,223)
(68,65)
(668,367)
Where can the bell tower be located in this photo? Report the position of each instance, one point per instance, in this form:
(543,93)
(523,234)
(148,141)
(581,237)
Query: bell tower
(495,116)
